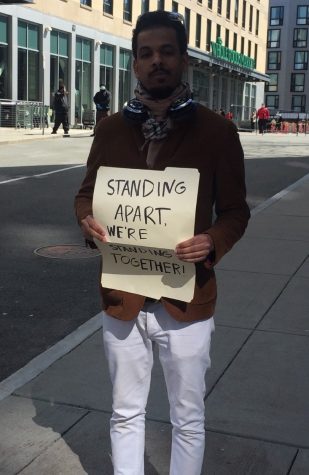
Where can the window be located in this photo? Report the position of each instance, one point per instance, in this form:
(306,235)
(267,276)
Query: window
(272,86)
(145,6)
(228,9)
(59,60)
(300,38)
(272,102)
(174,7)
(257,22)
(161,5)
(124,77)
(187,22)
(244,13)
(219,7)
(255,53)
(236,7)
(28,62)
(235,42)
(276,16)
(299,103)
(227,38)
(127,10)
(218,31)
(297,82)
(273,39)
(87,3)
(198,31)
(251,18)
(242,45)
(301,60)
(83,96)
(108,6)
(107,66)
(4,58)
(209,4)
(274,60)
(208,35)
(302,15)
(249,48)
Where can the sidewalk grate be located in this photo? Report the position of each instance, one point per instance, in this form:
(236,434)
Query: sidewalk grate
(67,251)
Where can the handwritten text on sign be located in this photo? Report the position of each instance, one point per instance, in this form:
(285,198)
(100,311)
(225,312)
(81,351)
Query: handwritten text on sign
(145,218)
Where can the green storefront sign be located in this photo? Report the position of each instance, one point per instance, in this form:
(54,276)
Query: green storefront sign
(222,52)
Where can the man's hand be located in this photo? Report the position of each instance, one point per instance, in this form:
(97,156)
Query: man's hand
(196,249)
(91,229)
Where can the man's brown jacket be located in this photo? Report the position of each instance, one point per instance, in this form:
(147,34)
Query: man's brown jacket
(205,141)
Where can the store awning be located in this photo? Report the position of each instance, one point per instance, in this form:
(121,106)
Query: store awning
(9,2)
(250,75)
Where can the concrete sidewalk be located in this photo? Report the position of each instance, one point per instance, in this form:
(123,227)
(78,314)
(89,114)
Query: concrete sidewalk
(257,403)
(12,135)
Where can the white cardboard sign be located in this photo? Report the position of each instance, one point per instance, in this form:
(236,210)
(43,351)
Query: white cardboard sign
(146,213)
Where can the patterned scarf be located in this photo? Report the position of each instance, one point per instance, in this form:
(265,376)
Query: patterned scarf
(158,124)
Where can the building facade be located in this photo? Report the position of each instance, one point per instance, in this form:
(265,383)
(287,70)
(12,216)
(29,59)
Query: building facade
(287,56)
(86,42)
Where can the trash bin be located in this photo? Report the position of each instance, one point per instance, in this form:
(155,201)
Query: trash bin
(88,119)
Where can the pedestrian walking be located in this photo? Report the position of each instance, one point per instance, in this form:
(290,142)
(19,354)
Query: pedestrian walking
(263,116)
(102,102)
(162,127)
(61,110)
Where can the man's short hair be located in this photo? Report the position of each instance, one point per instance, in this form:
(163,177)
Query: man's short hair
(165,19)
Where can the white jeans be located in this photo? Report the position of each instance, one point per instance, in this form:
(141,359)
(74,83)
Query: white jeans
(184,355)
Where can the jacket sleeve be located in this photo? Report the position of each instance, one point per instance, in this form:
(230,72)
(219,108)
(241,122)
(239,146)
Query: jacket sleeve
(83,199)
(232,211)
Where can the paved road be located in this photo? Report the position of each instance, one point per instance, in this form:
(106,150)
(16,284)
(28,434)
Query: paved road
(42,300)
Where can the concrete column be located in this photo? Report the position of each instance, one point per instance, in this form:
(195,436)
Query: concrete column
(72,58)
(46,66)
(228,93)
(220,92)
(96,68)
(116,79)
(211,88)
(14,57)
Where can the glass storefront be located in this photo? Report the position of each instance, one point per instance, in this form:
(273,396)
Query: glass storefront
(107,67)
(201,87)
(28,62)
(215,92)
(83,87)
(124,77)
(4,55)
(224,94)
(247,107)
(59,61)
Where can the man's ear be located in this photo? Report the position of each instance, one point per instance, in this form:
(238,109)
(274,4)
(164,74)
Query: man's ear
(135,68)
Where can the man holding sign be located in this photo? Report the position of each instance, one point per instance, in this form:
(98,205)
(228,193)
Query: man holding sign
(162,128)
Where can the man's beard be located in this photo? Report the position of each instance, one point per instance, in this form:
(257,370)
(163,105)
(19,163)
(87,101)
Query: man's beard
(161,92)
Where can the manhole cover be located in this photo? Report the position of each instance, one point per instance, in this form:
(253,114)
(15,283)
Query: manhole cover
(67,251)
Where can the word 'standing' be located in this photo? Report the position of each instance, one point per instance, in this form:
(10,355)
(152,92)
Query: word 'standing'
(142,250)
(143,188)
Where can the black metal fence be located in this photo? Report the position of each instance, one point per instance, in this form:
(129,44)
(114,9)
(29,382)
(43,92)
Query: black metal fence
(23,114)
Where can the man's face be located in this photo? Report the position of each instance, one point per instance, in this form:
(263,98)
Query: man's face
(159,64)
